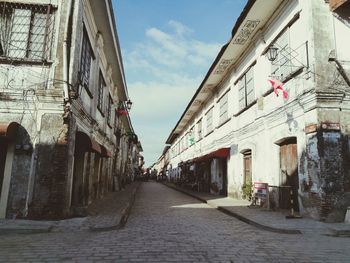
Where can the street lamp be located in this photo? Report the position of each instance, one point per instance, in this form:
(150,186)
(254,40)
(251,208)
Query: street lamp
(272,53)
(129,104)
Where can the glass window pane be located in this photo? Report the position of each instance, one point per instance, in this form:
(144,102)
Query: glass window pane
(19,33)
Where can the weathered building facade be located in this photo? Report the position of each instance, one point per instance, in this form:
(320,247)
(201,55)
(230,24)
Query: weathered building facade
(65,133)
(274,107)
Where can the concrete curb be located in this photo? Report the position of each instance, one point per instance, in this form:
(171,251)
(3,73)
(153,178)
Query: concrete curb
(123,219)
(238,216)
(24,230)
(258,225)
(340,233)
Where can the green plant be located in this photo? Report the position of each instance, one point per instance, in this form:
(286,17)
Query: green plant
(247,190)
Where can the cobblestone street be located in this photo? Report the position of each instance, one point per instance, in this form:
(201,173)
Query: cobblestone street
(168,226)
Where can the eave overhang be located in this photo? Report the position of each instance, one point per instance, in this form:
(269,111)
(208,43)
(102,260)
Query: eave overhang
(105,22)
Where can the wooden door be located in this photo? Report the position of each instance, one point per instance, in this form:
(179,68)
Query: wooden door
(247,167)
(289,174)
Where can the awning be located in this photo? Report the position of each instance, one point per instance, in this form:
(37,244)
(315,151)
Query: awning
(95,146)
(8,129)
(334,4)
(220,153)
(105,152)
(85,143)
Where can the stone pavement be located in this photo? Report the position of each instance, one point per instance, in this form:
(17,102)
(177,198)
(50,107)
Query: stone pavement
(168,226)
(274,221)
(107,213)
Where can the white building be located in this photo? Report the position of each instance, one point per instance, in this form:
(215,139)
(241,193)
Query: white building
(236,130)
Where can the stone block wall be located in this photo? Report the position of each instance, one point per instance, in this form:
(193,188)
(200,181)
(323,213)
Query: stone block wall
(49,199)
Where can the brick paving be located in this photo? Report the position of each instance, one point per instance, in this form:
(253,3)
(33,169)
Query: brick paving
(168,226)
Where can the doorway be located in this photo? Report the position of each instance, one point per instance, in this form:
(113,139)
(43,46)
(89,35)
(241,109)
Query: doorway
(3,154)
(289,174)
(224,175)
(247,167)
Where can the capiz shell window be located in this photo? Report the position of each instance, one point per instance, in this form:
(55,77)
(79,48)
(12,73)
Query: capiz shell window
(209,118)
(223,104)
(246,89)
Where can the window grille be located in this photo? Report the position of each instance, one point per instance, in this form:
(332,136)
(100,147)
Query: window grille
(109,110)
(85,62)
(101,87)
(26,32)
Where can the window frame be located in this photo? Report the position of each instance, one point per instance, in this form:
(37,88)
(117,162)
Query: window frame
(283,63)
(209,128)
(86,60)
(116,121)
(200,129)
(191,137)
(100,98)
(32,32)
(223,101)
(242,84)
(109,110)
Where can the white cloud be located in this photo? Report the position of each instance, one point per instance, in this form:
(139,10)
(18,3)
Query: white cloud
(163,72)
(180,28)
(160,100)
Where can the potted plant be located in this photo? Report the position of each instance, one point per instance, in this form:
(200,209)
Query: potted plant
(247,190)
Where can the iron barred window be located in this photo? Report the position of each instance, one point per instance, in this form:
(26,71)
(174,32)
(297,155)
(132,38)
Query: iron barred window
(86,57)
(26,32)
(101,87)
(109,110)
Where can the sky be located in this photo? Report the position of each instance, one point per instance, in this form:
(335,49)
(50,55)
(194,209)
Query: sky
(168,47)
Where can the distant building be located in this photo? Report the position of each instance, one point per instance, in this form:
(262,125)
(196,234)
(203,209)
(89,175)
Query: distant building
(65,135)
(237,129)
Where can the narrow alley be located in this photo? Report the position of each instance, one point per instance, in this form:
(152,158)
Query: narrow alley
(168,226)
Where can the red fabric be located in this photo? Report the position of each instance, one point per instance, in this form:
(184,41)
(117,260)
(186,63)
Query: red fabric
(221,153)
(122,112)
(277,85)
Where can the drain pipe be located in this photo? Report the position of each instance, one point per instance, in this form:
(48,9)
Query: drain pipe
(66,42)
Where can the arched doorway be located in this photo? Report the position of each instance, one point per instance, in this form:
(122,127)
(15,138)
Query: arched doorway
(7,135)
